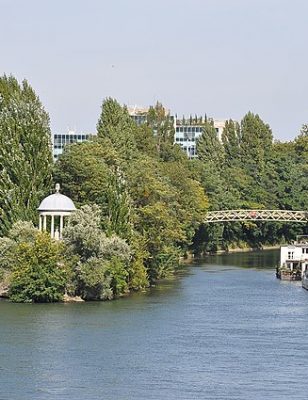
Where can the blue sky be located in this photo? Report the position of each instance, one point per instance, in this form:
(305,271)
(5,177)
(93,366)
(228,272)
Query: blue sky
(220,57)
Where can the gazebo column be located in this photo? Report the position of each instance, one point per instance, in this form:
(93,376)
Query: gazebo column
(44,222)
(61,225)
(52,229)
(40,222)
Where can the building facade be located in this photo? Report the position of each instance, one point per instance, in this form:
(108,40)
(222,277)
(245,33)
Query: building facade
(60,140)
(188,131)
(138,114)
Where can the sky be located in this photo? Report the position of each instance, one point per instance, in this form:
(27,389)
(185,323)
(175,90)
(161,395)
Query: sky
(219,57)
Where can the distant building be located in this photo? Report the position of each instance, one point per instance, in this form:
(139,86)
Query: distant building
(59,140)
(138,114)
(188,131)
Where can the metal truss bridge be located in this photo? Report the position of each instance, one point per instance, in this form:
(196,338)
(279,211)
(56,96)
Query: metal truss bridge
(256,215)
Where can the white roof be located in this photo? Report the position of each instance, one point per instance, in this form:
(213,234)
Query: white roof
(57,202)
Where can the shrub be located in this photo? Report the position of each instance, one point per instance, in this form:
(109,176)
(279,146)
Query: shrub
(93,281)
(39,273)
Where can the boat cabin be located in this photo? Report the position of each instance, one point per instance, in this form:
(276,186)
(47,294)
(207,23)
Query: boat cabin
(294,259)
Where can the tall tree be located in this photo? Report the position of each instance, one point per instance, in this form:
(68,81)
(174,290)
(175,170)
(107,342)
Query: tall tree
(162,125)
(231,139)
(115,127)
(256,145)
(209,148)
(25,152)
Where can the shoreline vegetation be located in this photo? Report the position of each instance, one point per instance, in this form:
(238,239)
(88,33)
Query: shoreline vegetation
(141,202)
(190,256)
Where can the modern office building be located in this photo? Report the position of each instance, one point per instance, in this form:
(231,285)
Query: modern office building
(59,140)
(188,131)
(138,114)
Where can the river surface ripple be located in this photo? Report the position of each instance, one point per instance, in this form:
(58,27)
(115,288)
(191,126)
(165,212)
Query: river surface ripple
(225,328)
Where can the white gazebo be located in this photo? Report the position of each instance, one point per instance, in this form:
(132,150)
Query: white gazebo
(57,207)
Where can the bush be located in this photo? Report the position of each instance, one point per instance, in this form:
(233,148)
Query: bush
(7,249)
(119,274)
(93,281)
(23,231)
(39,273)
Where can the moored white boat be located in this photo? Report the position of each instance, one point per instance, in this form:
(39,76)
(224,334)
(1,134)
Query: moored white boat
(294,261)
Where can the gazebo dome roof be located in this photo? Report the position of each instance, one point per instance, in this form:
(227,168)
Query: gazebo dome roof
(57,202)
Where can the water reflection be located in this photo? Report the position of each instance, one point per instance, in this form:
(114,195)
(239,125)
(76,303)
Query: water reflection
(260,259)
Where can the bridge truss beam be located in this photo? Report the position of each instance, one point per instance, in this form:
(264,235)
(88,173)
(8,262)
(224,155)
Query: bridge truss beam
(256,215)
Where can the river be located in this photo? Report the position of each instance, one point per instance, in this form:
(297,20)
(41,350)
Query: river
(225,328)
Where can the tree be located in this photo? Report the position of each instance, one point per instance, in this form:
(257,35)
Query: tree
(301,142)
(162,125)
(25,152)
(231,140)
(304,130)
(20,232)
(256,145)
(115,128)
(89,172)
(209,148)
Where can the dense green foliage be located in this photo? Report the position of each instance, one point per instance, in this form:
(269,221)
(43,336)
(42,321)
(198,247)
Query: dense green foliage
(39,273)
(32,264)
(101,264)
(249,170)
(25,152)
(143,185)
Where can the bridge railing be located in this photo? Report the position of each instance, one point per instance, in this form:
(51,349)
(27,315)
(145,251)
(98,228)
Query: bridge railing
(256,215)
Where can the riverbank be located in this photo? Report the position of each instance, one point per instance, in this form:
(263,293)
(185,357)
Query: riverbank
(247,249)
(190,256)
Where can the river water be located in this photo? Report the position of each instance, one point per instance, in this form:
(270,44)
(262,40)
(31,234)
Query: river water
(224,328)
